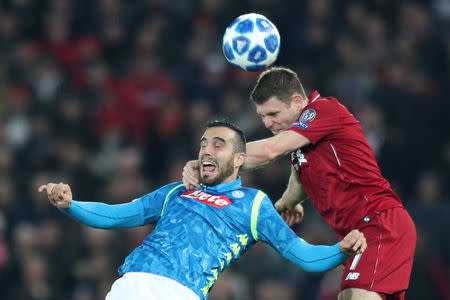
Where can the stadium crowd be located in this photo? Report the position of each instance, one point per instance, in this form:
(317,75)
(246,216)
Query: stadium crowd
(111,96)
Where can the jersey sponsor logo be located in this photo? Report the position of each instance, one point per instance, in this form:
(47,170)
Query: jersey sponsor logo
(238,194)
(352,276)
(301,125)
(308,115)
(217,201)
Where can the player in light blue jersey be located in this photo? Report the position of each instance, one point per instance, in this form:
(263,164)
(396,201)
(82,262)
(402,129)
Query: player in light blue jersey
(200,232)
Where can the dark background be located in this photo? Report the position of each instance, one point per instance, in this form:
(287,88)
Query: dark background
(111,97)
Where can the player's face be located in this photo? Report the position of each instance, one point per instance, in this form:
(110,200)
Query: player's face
(278,115)
(217,159)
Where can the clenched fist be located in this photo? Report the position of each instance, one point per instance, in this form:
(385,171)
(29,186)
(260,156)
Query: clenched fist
(59,194)
(353,243)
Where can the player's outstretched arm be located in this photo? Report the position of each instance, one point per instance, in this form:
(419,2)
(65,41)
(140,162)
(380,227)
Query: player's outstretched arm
(320,258)
(259,154)
(94,214)
(262,152)
(289,205)
(270,228)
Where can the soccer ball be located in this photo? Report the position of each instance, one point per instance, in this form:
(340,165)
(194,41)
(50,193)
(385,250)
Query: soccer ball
(251,42)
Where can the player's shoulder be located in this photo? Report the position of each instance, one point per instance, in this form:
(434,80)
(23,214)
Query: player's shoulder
(170,188)
(320,106)
(173,187)
(248,192)
(324,102)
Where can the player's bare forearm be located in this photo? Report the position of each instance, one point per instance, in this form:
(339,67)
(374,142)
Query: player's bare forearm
(295,192)
(259,154)
(289,205)
(262,152)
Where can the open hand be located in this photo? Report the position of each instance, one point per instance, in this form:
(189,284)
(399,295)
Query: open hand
(59,194)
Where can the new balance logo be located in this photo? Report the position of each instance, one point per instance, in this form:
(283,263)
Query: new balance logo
(352,276)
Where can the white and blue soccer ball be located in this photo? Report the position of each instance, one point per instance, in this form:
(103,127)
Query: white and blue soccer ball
(251,42)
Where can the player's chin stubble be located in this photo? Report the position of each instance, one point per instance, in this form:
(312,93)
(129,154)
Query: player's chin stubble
(223,173)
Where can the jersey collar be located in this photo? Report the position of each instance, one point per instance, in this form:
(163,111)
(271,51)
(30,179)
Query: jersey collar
(313,97)
(224,187)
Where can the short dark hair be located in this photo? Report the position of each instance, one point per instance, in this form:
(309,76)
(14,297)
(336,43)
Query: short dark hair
(240,140)
(279,82)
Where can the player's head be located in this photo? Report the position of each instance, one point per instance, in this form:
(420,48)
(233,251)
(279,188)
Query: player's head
(222,152)
(279,97)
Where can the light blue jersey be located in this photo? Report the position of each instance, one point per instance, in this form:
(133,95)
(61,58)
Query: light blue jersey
(201,232)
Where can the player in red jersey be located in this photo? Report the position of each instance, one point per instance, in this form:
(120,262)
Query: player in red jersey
(333,164)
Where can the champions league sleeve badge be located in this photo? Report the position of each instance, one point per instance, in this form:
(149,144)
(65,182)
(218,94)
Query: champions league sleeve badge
(307,116)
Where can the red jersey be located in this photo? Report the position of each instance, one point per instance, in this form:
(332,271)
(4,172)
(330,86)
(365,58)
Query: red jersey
(338,169)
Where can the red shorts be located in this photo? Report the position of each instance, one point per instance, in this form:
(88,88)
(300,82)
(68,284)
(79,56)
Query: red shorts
(385,266)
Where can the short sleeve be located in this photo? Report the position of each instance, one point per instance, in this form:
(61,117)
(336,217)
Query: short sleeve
(318,120)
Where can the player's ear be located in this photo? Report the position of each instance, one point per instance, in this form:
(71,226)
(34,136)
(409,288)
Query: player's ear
(239,159)
(297,100)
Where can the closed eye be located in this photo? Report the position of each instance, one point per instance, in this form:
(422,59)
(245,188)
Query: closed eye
(217,142)
(218,145)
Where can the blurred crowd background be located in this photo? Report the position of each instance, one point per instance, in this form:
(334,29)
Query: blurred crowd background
(111,97)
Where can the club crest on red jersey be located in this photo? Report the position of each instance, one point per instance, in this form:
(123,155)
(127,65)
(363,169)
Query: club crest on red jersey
(217,201)
(297,159)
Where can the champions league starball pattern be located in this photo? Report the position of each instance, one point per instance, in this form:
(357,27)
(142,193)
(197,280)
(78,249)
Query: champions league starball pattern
(251,42)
